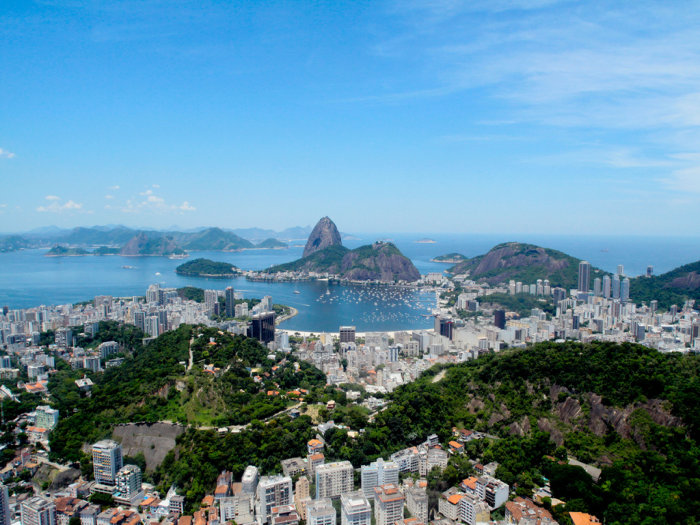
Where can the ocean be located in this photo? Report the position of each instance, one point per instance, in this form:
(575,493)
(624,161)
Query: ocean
(28,279)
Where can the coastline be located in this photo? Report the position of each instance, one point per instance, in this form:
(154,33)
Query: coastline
(284,318)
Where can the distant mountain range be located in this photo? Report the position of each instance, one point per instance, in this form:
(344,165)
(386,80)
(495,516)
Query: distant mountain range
(211,239)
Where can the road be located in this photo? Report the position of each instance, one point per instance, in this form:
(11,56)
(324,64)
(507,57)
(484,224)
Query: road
(439,376)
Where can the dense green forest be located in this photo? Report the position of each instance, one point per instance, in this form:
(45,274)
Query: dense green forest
(144,387)
(674,287)
(521,303)
(651,472)
(206,267)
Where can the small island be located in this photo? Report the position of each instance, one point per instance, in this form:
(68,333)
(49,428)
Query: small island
(425,241)
(452,258)
(207,268)
(271,244)
(62,251)
(105,250)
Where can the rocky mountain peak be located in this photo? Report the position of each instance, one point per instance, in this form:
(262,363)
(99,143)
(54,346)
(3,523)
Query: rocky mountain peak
(324,234)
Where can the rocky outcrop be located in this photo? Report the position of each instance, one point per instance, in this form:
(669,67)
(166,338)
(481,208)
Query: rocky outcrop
(545,425)
(519,261)
(384,263)
(381,261)
(142,245)
(324,234)
(568,410)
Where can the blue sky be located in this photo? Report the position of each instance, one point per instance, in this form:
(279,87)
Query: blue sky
(494,116)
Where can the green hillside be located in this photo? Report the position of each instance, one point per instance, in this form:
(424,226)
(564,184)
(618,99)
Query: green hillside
(272,244)
(329,259)
(62,251)
(451,257)
(629,409)
(674,287)
(105,250)
(213,239)
(13,243)
(145,389)
(207,267)
(381,261)
(525,263)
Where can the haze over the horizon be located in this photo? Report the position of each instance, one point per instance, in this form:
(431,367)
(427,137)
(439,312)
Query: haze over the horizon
(523,116)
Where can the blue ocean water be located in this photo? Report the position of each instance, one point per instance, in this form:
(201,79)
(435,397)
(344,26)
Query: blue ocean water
(28,279)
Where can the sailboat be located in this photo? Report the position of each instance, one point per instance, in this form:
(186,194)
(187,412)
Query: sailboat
(295,288)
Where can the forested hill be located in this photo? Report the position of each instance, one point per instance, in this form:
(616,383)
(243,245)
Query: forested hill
(381,261)
(674,287)
(627,408)
(525,263)
(153,386)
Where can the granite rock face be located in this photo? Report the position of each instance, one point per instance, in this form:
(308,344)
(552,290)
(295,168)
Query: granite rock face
(324,234)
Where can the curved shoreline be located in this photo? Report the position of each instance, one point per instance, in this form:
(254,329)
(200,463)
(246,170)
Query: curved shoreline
(284,318)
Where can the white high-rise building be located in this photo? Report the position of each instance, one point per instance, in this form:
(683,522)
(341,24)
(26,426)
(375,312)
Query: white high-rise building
(46,417)
(152,325)
(211,297)
(38,511)
(128,482)
(625,290)
(584,277)
(378,473)
(266,303)
(355,509)
(273,491)
(620,269)
(320,512)
(607,287)
(250,480)
(334,479)
(616,287)
(107,461)
(597,289)
(388,504)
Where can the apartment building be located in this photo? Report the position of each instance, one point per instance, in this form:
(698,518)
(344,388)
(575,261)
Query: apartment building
(355,509)
(388,504)
(334,479)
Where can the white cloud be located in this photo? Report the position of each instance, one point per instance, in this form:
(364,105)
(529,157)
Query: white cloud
(153,198)
(147,192)
(6,154)
(685,180)
(156,185)
(113,188)
(52,198)
(54,207)
(186,207)
(109,197)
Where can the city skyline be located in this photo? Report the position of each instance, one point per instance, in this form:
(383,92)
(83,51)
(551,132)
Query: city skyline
(142,114)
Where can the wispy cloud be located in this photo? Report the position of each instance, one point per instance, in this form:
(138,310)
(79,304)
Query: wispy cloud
(147,192)
(113,187)
(109,197)
(4,154)
(52,198)
(185,206)
(55,207)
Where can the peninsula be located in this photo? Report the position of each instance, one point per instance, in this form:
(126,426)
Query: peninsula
(325,254)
